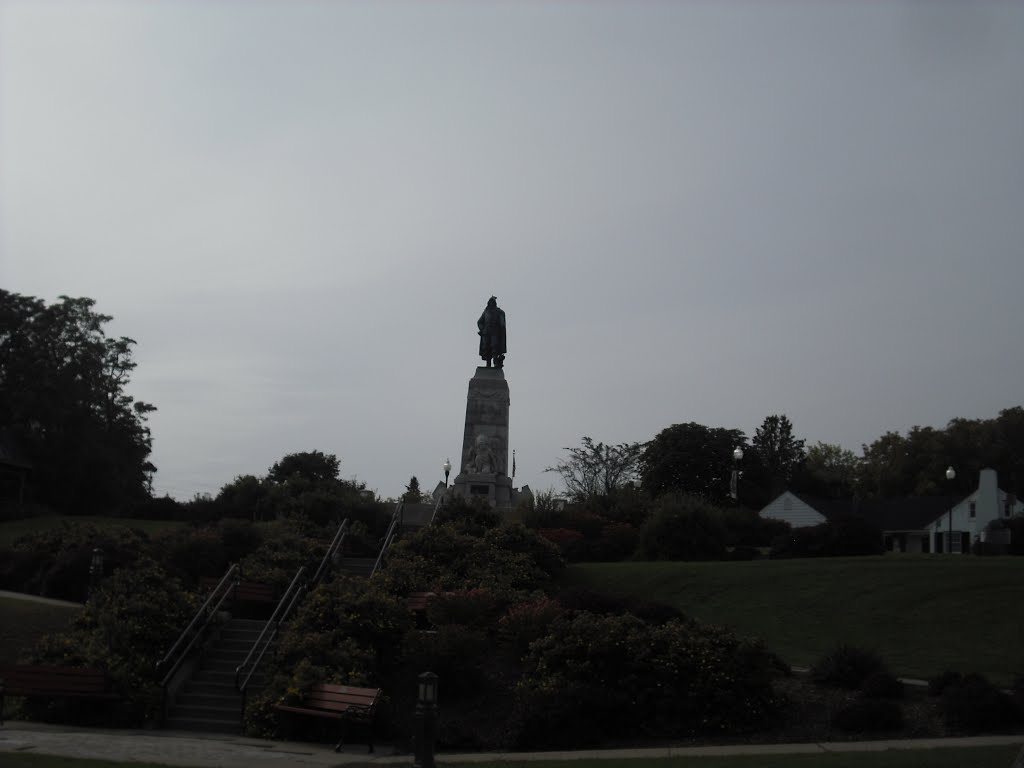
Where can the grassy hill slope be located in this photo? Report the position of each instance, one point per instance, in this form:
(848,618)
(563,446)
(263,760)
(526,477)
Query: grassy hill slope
(23,622)
(924,614)
(14,529)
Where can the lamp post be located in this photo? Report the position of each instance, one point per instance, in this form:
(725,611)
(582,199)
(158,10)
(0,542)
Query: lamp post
(95,570)
(734,485)
(447,467)
(426,719)
(950,476)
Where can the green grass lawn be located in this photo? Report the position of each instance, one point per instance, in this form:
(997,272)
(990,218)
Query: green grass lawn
(22,622)
(923,613)
(13,529)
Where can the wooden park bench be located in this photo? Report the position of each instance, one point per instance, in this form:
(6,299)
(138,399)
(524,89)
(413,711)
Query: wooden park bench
(50,682)
(339,702)
(417,601)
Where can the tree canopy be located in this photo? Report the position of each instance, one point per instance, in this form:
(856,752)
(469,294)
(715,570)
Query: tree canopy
(691,458)
(63,399)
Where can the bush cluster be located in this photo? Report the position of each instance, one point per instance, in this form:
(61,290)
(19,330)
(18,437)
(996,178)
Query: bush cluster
(848,667)
(519,668)
(972,704)
(836,538)
(125,628)
(55,563)
(876,708)
(593,677)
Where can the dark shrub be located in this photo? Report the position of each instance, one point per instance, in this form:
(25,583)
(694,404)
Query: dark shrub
(240,537)
(479,608)
(683,528)
(527,621)
(125,628)
(746,528)
(836,538)
(869,715)
(579,599)
(472,516)
(191,553)
(974,704)
(847,667)
(938,684)
(55,562)
(604,677)
(882,685)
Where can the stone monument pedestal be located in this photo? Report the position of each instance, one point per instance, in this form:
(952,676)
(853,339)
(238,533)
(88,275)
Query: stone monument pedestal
(483,469)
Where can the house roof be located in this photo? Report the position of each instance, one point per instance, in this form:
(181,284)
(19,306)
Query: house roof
(829,508)
(910,513)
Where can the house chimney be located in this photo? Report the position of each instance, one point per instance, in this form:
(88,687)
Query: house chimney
(988,497)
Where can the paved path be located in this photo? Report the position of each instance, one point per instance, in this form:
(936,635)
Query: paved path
(219,751)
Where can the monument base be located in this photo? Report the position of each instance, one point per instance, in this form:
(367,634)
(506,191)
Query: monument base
(496,489)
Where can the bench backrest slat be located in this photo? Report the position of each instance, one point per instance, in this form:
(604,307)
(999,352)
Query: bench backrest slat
(50,679)
(338,698)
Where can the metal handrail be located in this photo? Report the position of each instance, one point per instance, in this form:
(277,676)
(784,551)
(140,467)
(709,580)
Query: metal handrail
(396,524)
(336,543)
(284,608)
(231,578)
(437,507)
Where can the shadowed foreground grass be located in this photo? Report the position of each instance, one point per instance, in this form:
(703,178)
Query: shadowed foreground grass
(973,757)
(924,614)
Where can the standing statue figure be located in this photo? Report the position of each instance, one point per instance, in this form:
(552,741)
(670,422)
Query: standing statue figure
(491,328)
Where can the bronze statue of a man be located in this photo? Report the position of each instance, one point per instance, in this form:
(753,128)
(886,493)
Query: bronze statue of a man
(491,328)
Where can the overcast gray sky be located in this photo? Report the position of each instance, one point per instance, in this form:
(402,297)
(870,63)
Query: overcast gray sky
(690,211)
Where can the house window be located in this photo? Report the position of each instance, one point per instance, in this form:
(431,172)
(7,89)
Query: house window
(787,503)
(973,509)
(955,540)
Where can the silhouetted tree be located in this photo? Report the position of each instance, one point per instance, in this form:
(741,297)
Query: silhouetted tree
(412,493)
(596,469)
(63,400)
(691,458)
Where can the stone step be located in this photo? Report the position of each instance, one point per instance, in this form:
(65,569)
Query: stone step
(212,665)
(235,645)
(206,712)
(201,724)
(218,676)
(218,700)
(245,636)
(233,658)
(249,625)
(216,689)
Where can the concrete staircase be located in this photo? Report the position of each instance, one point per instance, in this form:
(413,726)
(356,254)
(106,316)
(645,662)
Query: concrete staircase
(358,566)
(209,701)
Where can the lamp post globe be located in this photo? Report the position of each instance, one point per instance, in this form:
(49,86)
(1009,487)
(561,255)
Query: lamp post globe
(951,474)
(737,455)
(447,467)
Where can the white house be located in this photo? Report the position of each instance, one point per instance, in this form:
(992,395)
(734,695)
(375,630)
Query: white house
(913,524)
(965,523)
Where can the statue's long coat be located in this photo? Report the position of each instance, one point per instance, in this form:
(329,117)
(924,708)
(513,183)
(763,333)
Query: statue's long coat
(491,326)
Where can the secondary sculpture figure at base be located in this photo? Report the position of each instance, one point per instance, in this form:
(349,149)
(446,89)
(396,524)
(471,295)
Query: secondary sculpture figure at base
(491,328)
